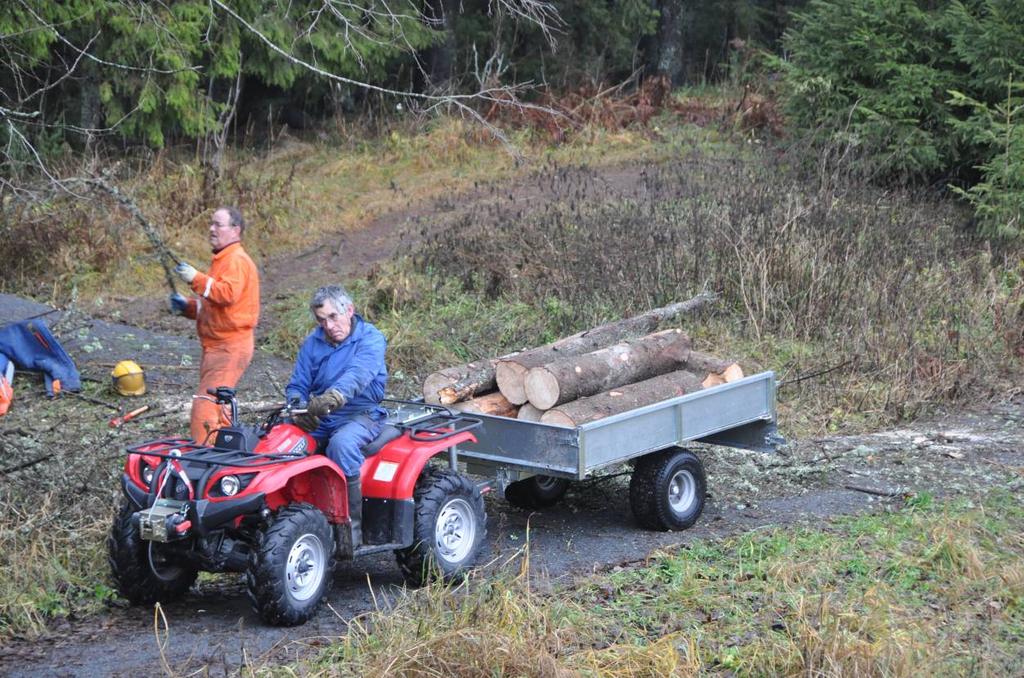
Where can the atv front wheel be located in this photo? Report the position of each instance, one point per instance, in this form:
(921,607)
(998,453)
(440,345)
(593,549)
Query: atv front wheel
(536,492)
(144,571)
(291,569)
(667,488)
(449,528)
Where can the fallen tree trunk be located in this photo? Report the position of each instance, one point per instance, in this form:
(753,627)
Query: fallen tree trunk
(622,399)
(461,382)
(510,372)
(713,371)
(575,377)
(492,403)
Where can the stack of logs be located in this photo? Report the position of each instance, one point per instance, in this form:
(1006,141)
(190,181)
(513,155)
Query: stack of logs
(602,371)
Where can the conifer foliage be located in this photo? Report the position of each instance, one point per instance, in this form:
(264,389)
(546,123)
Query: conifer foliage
(932,91)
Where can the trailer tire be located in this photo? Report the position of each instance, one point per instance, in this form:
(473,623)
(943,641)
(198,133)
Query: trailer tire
(291,569)
(130,556)
(667,488)
(449,528)
(536,492)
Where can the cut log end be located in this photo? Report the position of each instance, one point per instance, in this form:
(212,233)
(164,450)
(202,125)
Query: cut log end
(733,373)
(730,374)
(529,413)
(493,403)
(542,388)
(511,378)
(556,418)
(432,387)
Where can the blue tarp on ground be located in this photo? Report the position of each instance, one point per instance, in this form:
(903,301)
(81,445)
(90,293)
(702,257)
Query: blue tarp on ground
(31,346)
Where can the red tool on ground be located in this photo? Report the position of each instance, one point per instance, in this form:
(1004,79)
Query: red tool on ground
(117,421)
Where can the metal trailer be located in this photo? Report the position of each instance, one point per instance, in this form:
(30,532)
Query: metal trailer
(532,464)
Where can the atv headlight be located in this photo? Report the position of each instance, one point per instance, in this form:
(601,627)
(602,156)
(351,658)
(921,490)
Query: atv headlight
(229,486)
(146,473)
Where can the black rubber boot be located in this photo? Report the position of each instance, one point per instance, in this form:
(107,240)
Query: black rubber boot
(355,509)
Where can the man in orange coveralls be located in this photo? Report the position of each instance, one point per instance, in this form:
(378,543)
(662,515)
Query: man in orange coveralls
(225,310)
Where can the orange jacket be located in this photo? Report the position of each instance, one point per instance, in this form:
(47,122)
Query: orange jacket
(228,305)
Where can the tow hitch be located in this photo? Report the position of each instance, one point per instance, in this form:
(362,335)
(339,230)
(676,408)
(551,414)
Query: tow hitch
(166,520)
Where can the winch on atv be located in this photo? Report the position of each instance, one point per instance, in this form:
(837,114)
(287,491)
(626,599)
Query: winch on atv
(260,500)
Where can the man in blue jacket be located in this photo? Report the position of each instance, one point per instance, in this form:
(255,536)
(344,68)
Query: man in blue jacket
(339,377)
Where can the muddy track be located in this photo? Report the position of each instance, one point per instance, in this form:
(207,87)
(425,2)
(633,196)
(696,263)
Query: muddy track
(591,529)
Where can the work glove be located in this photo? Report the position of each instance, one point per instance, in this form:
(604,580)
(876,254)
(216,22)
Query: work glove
(178,303)
(307,422)
(187,272)
(325,403)
(296,403)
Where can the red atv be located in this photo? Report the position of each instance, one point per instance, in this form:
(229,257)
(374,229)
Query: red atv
(261,501)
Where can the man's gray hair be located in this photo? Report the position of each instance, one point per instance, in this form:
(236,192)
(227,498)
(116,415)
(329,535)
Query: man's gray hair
(333,293)
(235,215)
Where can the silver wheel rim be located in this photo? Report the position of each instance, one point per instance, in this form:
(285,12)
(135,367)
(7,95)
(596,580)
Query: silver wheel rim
(682,491)
(455,531)
(305,567)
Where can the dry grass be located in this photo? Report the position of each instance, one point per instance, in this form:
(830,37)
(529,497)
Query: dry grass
(495,626)
(295,194)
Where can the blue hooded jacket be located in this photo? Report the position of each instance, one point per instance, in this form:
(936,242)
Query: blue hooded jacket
(355,367)
(31,346)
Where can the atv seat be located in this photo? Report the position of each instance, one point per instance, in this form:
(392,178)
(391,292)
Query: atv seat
(388,432)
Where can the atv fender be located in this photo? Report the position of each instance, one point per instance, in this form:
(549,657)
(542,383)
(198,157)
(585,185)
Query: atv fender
(392,473)
(314,480)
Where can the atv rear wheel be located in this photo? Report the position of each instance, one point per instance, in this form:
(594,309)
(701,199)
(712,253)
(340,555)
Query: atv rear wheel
(144,572)
(449,528)
(292,567)
(536,492)
(667,488)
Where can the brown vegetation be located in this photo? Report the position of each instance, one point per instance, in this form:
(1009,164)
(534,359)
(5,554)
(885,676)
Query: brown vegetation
(817,270)
(558,115)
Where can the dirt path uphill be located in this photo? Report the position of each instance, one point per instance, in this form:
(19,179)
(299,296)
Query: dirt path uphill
(349,253)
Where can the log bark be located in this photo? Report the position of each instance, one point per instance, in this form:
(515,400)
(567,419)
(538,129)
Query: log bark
(460,382)
(492,403)
(510,372)
(622,399)
(528,412)
(713,371)
(575,377)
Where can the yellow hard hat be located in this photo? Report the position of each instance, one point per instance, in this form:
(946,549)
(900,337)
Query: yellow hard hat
(127,378)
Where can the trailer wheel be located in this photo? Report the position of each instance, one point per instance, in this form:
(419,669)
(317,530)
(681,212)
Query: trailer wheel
(144,572)
(449,528)
(666,491)
(536,492)
(291,569)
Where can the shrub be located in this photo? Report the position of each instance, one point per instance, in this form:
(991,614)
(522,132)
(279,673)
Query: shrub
(923,90)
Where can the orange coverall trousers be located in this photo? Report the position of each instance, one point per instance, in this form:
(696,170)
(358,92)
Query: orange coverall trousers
(222,364)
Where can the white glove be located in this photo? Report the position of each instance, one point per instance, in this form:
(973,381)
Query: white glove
(186,271)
